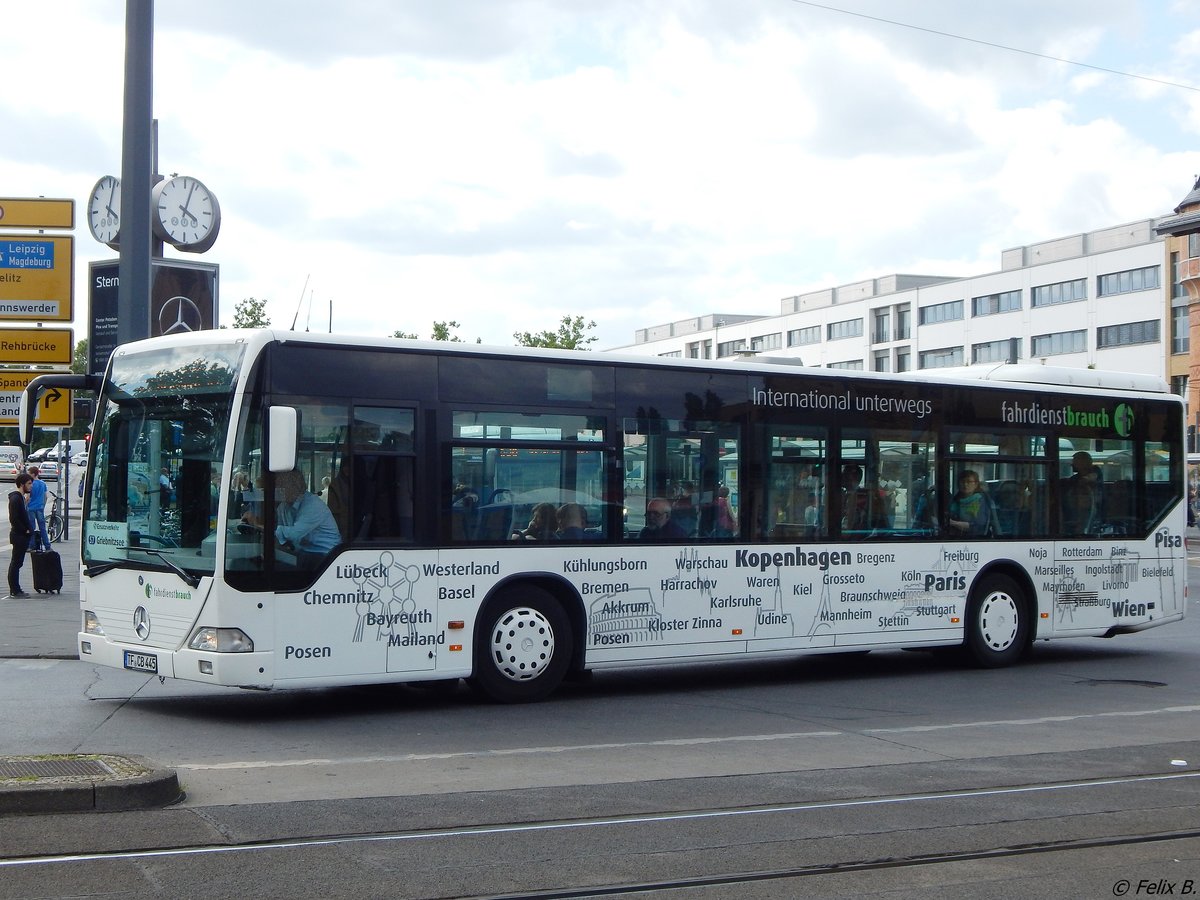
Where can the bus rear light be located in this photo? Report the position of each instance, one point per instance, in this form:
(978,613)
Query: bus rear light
(91,624)
(221,640)
(1045,615)
(737,631)
(455,648)
(954,620)
(456,625)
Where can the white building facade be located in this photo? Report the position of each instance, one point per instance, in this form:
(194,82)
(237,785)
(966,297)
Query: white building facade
(1105,299)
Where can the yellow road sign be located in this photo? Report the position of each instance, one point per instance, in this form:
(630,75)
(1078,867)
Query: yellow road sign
(36,212)
(36,278)
(37,346)
(55,406)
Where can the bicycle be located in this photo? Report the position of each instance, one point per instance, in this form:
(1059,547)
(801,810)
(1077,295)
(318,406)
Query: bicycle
(56,520)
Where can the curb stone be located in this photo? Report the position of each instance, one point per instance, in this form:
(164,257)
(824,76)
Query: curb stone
(84,782)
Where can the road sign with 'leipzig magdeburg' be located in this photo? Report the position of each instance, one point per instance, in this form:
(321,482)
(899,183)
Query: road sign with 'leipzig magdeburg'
(36,278)
(54,406)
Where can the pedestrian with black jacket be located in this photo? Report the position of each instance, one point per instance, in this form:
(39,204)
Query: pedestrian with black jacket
(19,533)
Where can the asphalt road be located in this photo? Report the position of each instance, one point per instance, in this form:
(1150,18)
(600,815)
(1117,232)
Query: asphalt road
(891,773)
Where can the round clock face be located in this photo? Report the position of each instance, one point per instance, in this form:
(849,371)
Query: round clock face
(186,213)
(104,210)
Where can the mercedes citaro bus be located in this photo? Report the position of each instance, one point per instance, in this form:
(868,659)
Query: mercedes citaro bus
(354,510)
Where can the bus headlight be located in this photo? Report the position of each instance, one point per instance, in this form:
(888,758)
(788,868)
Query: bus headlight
(221,640)
(90,623)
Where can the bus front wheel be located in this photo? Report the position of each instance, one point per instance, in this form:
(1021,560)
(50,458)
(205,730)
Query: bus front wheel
(523,646)
(997,623)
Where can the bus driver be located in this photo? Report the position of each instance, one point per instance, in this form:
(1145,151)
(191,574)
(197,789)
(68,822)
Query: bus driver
(303,521)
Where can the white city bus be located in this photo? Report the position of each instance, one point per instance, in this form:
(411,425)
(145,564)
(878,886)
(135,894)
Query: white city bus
(842,530)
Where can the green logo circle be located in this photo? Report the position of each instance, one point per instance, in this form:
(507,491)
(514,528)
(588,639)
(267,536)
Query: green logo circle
(1123,419)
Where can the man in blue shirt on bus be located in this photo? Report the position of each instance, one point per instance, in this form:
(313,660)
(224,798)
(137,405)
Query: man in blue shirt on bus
(304,521)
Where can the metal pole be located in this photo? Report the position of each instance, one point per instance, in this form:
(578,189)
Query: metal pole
(133,294)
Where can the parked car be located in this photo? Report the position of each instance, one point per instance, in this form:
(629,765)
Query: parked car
(47,464)
(79,460)
(11,463)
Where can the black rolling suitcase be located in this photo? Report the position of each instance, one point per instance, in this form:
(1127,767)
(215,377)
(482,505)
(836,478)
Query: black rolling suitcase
(47,571)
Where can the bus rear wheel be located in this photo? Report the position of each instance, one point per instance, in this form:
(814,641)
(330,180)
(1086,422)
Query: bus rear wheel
(997,623)
(522,646)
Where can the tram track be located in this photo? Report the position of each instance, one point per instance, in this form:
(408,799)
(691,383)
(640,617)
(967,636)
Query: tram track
(721,848)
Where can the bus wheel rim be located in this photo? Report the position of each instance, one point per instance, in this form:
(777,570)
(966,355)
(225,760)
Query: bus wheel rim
(522,644)
(999,620)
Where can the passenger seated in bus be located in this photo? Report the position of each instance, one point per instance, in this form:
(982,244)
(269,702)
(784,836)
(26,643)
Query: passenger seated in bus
(542,524)
(812,515)
(571,519)
(863,508)
(1081,496)
(659,526)
(971,511)
(724,525)
(303,522)
(683,508)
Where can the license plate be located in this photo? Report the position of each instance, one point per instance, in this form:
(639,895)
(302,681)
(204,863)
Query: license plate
(141,662)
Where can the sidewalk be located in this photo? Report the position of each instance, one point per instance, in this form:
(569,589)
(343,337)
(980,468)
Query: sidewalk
(42,626)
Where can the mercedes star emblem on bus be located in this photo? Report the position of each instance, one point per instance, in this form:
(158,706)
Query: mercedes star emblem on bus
(179,314)
(141,622)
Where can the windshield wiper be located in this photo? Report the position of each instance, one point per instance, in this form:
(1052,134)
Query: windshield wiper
(98,568)
(191,580)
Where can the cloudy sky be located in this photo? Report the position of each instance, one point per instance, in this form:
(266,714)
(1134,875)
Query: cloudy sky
(504,163)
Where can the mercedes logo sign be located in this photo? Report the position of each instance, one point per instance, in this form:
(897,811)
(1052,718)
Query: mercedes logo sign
(179,314)
(141,622)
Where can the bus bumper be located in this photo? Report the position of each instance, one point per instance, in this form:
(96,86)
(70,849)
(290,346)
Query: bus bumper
(230,669)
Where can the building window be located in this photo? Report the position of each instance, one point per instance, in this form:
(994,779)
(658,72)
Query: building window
(1127,282)
(1062,292)
(883,327)
(1179,385)
(992,304)
(903,359)
(673,354)
(849,328)
(729,348)
(903,322)
(1180,337)
(883,361)
(767,341)
(941,312)
(1130,333)
(1193,245)
(847,364)
(939,359)
(1178,291)
(996,351)
(1058,343)
(800,336)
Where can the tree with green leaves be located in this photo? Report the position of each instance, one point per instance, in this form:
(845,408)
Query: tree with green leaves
(250,313)
(570,335)
(442,331)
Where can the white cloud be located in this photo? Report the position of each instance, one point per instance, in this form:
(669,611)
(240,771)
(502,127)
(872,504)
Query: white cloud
(505,165)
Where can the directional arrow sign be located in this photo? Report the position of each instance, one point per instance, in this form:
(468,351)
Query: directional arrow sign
(54,408)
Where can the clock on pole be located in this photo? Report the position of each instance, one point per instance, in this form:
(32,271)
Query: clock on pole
(185,213)
(104,211)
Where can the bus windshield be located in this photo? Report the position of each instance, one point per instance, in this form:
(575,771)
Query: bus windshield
(154,477)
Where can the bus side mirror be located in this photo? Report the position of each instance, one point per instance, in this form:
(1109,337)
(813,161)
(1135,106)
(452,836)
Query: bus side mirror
(281,438)
(26,413)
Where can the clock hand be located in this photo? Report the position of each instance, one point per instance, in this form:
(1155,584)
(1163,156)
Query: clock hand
(188,202)
(112,193)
